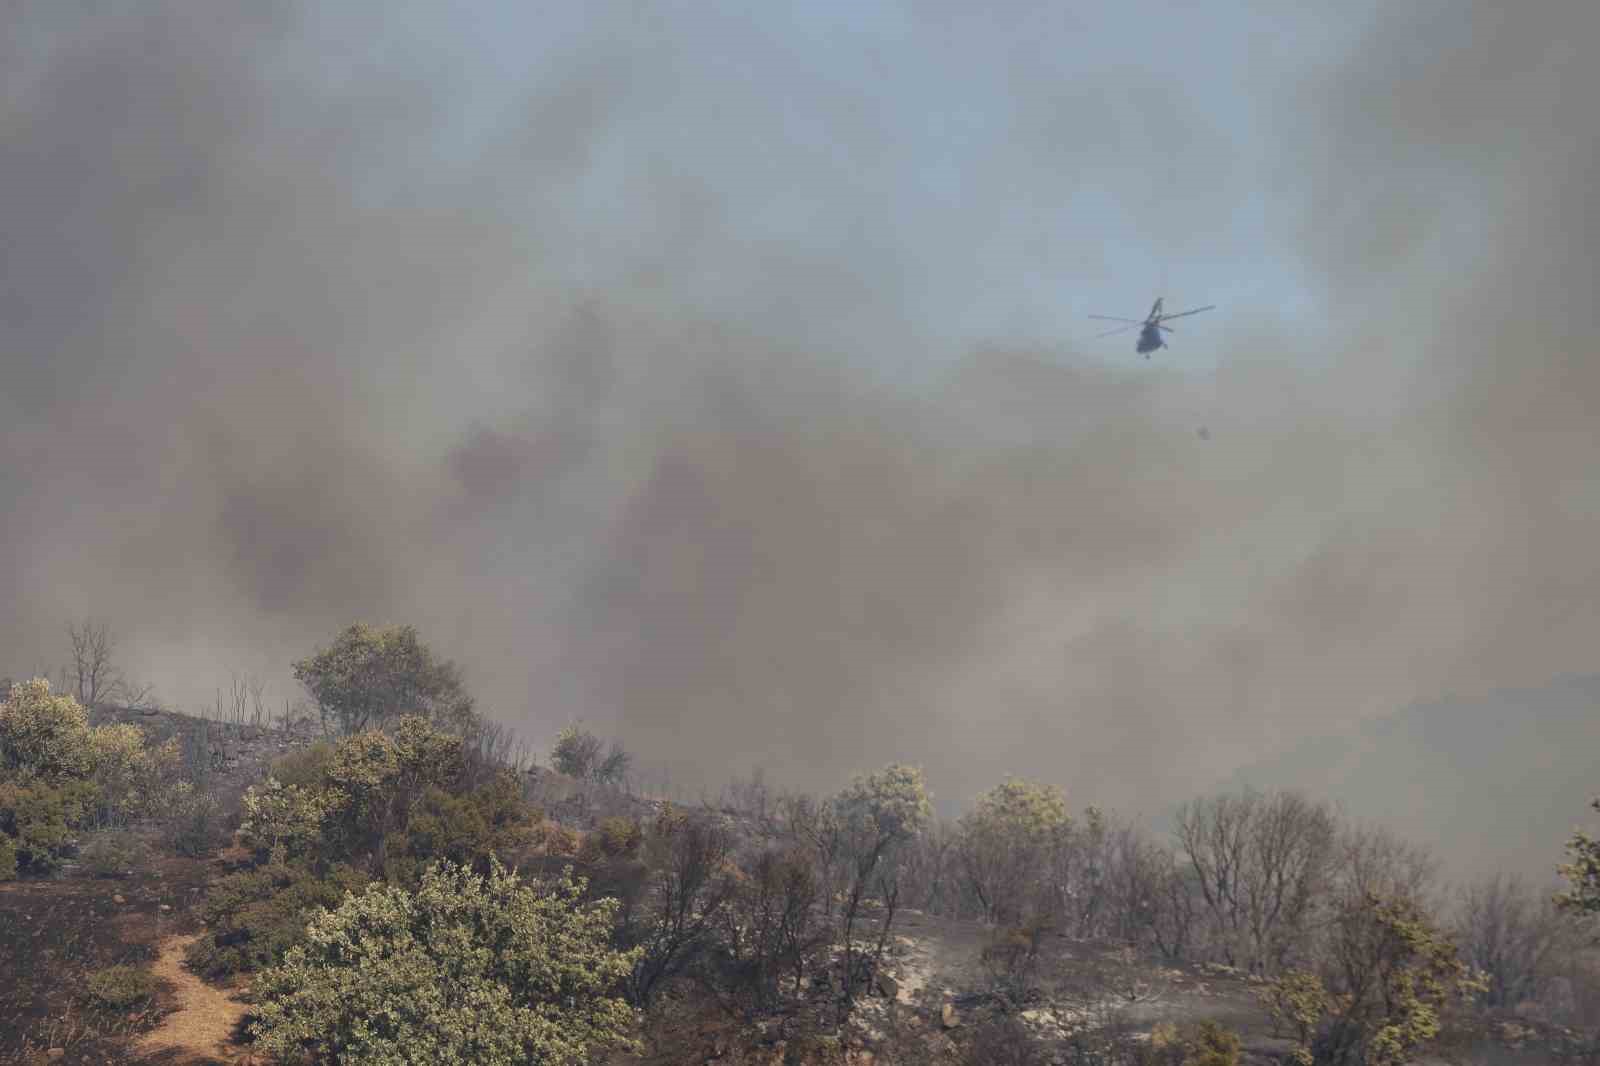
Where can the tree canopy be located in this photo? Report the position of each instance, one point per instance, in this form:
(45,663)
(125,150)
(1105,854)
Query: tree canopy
(371,675)
(466,969)
(1582,872)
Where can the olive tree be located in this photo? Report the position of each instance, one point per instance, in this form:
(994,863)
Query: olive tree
(1387,978)
(877,814)
(465,970)
(44,735)
(58,774)
(372,675)
(1582,873)
(579,753)
(379,780)
(1006,845)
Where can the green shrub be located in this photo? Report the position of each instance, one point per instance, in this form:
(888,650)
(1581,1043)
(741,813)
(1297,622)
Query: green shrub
(132,778)
(1209,1044)
(618,838)
(8,859)
(465,970)
(57,775)
(38,818)
(464,829)
(194,825)
(380,780)
(303,768)
(371,675)
(43,735)
(284,820)
(1190,1044)
(116,853)
(255,916)
(579,753)
(121,988)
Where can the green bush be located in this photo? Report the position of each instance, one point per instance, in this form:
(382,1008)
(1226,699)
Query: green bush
(1209,1044)
(57,775)
(132,779)
(284,820)
(254,917)
(463,829)
(38,817)
(194,825)
(380,781)
(465,970)
(579,753)
(618,838)
(371,675)
(303,767)
(117,853)
(8,859)
(44,735)
(121,988)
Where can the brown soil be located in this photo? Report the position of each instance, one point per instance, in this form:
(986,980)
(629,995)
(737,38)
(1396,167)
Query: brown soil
(200,1030)
(55,933)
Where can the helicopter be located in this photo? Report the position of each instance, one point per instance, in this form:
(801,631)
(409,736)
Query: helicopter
(1150,327)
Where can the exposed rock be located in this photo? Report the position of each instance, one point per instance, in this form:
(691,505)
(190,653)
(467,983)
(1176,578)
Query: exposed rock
(948,1018)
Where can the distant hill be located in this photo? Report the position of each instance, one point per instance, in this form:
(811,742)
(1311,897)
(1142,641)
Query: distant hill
(1496,784)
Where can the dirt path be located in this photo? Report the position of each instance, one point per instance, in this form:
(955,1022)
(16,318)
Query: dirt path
(201,1028)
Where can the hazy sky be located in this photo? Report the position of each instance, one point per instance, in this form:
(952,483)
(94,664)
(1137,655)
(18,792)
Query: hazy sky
(722,376)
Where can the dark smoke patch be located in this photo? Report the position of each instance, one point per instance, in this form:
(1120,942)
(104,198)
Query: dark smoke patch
(642,401)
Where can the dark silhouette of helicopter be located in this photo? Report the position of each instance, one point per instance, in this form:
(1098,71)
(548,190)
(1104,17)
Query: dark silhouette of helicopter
(1150,328)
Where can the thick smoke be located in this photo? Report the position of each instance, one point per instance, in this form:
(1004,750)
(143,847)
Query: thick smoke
(622,399)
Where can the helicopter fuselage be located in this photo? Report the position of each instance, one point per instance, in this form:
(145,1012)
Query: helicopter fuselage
(1150,339)
(1151,329)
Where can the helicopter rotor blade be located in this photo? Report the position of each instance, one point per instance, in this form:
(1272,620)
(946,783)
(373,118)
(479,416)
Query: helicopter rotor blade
(1119,329)
(1196,311)
(1169,329)
(1112,318)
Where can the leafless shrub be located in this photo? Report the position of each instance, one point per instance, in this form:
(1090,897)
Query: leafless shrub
(243,704)
(1011,959)
(690,884)
(201,750)
(1135,870)
(754,799)
(1260,860)
(1004,1041)
(771,925)
(930,875)
(1373,860)
(1512,934)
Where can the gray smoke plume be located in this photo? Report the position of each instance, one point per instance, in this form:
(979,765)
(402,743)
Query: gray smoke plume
(624,372)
